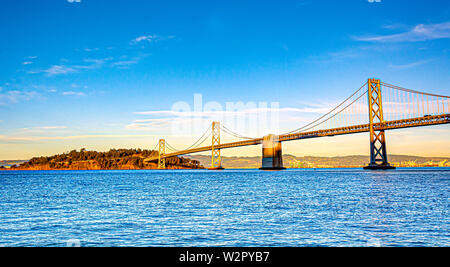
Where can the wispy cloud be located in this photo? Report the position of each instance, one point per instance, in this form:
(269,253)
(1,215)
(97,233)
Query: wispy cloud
(64,69)
(342,55)
(15,96)
(419,33)
(29,60)
(59,69)
(40,130)
(410,65)
(92,64)
(162,123)
(96,62)
(243,112)
(151,39)
(125,63)
(52,127)
(6,138)
(72,93)
(147,38)
(164,119)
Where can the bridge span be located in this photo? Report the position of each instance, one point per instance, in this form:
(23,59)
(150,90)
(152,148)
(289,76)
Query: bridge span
(403,108)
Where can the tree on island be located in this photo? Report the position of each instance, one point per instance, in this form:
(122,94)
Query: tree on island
(111,160)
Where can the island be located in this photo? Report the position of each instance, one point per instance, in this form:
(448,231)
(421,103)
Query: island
(115,159)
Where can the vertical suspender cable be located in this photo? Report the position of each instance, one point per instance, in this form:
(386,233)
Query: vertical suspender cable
(437,101)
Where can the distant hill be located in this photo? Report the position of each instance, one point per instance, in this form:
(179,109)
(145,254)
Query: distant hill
(133,159)
(327,162)
(9,163)
(115,159)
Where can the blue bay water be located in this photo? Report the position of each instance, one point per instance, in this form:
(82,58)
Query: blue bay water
(407,207)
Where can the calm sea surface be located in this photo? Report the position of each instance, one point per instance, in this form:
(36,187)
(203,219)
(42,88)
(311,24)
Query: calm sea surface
(408,207)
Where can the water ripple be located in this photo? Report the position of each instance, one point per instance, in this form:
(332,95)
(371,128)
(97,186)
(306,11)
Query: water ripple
(232,208)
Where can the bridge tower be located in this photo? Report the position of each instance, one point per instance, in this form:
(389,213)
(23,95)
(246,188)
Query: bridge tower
(162,152)
(272,155)
(378,153)
(216,159)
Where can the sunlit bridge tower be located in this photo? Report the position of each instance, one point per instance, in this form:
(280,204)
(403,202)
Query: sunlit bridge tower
(378,153)
(162,152)
(272,155)
(216,159)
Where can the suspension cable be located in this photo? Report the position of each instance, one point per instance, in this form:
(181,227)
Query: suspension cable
(171,148)
(411,91)
(195,144)
(312,127)
(302,128)
(230,132)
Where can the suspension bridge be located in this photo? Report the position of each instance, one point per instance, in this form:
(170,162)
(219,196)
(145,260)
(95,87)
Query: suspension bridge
(374,108)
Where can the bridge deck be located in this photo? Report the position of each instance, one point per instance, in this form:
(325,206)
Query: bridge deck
(388,125)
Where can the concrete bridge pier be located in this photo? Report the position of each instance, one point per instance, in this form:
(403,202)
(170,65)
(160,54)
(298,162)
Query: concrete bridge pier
(272,154)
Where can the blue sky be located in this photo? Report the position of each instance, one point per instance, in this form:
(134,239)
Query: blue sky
(77,74)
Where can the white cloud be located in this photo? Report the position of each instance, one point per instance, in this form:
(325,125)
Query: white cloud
(5,138)
(125,63)
(253,121)
(13,97)
(40,129)
(95,62)
(52,127)
(72,93)
(343,55)
(394,26)
(58,70)
(148,38)
(151,39)
(410,65)
(63,69)
(234,113)
(419,33)
(162,123)
(29,60)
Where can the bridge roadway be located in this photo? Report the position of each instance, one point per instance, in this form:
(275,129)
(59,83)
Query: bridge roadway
(387,125)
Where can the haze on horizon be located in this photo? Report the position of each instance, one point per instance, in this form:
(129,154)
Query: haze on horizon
(99,74)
